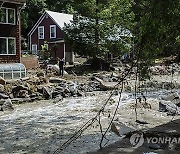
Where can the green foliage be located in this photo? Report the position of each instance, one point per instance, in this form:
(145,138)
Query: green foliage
(157,28)
(30,15)
(99,27)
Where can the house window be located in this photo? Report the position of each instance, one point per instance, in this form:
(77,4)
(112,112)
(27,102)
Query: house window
(53,31)
(41,32)
(34,48)
(7,46)
(7,16)
(11,16)
(3,15)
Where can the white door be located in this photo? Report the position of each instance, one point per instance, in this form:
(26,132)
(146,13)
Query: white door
(34,49)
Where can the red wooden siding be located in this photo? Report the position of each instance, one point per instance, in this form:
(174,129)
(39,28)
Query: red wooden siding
(11,31)
(46,22)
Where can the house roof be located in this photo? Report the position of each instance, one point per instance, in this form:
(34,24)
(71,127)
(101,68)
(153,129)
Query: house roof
(14,1)
(59,18)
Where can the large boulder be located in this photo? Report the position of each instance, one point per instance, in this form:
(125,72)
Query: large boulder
(19,88)
(2,81)
(73,88)
(3,96)
(106,85)
(1,88)
(7,106)
(169,107)
(172,97)
(58,99)
(47,92)
(23,94)
(40,74)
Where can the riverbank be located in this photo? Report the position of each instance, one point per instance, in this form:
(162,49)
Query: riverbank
(42,125)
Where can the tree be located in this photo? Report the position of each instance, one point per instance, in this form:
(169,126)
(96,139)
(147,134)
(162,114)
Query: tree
(65,6)
(157,30)
(34,9)
(100,25)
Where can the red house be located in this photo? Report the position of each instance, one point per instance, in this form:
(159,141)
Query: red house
(10,32)
(48,32)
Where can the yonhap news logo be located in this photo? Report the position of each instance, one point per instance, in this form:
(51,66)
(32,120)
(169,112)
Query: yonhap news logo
(138,139)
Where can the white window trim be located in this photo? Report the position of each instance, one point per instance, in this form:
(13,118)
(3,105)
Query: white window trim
(7,22)
(39,33)
(7,48)
(54,31)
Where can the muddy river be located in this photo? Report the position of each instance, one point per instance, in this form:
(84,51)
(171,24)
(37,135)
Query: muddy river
(41,127)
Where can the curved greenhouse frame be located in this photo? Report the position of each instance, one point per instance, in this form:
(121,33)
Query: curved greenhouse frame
(12,71)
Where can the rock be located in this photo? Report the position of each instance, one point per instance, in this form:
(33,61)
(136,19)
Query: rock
(17,89)
(36,94)
(47,92)
(173,97)
(21,100)
(2,101)
(58,99)
(114,75)
(20,87)
(56,69)
(66,90)
(106,85)
(2,81)
(1,88)
(56,80)
(141,122)
(40,88)
(73,88)
(57,91)
(7,106)
(3,96)
(155,146)
(34,80)
(23,94)
(171,108)
(79,93)
(40,74)
(43,79)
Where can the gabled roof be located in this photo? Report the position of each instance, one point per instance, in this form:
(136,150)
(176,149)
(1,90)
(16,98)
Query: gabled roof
(59,18)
